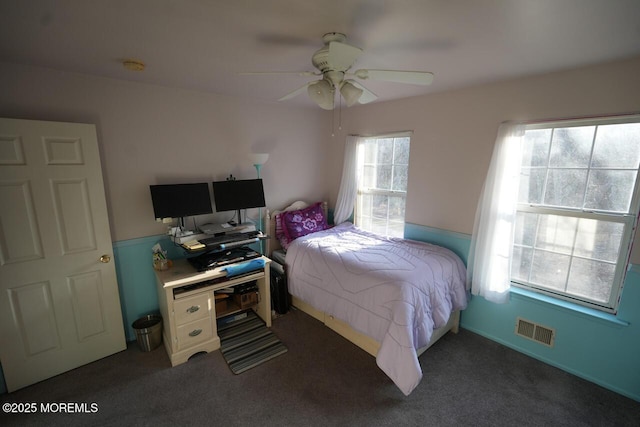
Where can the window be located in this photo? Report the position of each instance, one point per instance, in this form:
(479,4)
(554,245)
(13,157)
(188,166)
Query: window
(577,206)
(382,169)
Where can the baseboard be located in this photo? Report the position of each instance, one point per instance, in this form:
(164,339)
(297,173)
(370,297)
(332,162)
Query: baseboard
(553,363)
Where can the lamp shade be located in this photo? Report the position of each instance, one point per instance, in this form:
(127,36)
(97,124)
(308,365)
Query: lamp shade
(321,92)
(350,93)
(259,158)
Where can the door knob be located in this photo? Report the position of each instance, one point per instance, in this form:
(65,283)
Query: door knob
(105,258)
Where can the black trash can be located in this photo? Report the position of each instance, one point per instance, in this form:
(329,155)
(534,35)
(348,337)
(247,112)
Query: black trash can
(148,331)
(280,300)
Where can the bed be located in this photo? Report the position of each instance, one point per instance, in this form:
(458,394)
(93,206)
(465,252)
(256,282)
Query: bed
(391,297)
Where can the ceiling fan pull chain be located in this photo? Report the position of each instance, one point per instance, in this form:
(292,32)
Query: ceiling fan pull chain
(339,112)
(333,115)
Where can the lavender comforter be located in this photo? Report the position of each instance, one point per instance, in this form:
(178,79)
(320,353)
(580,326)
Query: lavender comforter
(395,291)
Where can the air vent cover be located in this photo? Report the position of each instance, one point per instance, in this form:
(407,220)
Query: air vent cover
(535,332)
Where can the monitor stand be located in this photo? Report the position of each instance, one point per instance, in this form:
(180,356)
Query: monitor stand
(181,230)
(184,233)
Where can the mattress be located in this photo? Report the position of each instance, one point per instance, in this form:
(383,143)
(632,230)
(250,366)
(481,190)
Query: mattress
(393,290)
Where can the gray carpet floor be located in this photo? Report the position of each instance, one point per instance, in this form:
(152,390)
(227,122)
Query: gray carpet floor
(323,380)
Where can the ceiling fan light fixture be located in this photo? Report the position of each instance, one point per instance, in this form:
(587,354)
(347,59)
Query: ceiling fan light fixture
(321,92)
(334,62)
(350,93)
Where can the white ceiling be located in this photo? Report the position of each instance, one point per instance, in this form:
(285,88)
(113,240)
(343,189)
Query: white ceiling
(204,45)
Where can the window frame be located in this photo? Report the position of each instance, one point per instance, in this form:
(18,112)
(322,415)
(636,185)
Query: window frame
(628,219)
(361,191)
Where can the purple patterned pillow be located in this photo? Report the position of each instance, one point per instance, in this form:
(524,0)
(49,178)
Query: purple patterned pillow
(280,234)
(305,221)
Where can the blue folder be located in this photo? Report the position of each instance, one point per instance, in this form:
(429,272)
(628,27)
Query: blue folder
(244,267)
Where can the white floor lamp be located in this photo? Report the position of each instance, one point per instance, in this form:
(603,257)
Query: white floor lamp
(259,159)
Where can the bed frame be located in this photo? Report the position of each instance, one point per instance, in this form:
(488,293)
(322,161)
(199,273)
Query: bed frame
(363,341)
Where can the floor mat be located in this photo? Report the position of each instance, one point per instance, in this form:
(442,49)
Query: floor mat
(246,342)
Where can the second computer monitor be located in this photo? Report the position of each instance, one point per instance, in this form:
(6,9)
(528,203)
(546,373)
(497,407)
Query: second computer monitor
(234,195)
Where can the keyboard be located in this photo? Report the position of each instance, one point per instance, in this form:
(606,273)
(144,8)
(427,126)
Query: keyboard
(218,259)
(218,240)
(228,238)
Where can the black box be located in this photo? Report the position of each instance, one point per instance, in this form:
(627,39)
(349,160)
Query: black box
(280,300)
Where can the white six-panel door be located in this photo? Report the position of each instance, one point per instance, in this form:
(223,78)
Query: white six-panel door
(59,301)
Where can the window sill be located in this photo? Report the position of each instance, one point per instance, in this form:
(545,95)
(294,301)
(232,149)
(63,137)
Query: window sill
(590,313)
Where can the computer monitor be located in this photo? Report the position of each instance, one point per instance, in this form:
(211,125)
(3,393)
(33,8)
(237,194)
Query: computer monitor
(234,195)
(180,200)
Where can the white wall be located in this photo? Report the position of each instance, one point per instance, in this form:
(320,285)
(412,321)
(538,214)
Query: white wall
(454,132)
(152,134)
(158,135)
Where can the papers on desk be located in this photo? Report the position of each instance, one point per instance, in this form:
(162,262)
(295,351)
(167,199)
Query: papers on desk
(193,245)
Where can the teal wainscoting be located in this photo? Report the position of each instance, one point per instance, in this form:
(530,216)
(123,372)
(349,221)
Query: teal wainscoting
(136,277)
(136,280)
(459,243)
(601,348)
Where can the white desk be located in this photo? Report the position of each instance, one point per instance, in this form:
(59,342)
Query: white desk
(187,305)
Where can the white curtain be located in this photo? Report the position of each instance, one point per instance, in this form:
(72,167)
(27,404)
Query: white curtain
(489,263)
(348,186)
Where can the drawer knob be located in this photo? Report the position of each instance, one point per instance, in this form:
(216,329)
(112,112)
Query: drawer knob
(193,308)
(195,332)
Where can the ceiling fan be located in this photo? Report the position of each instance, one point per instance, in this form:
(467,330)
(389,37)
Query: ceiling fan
(333,62)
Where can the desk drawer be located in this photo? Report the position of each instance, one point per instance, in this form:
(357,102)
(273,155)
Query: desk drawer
(192,308)
(194,333)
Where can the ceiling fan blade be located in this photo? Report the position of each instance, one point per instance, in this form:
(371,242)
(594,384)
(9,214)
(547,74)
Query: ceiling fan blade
(286,40)
(367,96)
(296,92)
(423,78)
(271,73)
(342,56)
